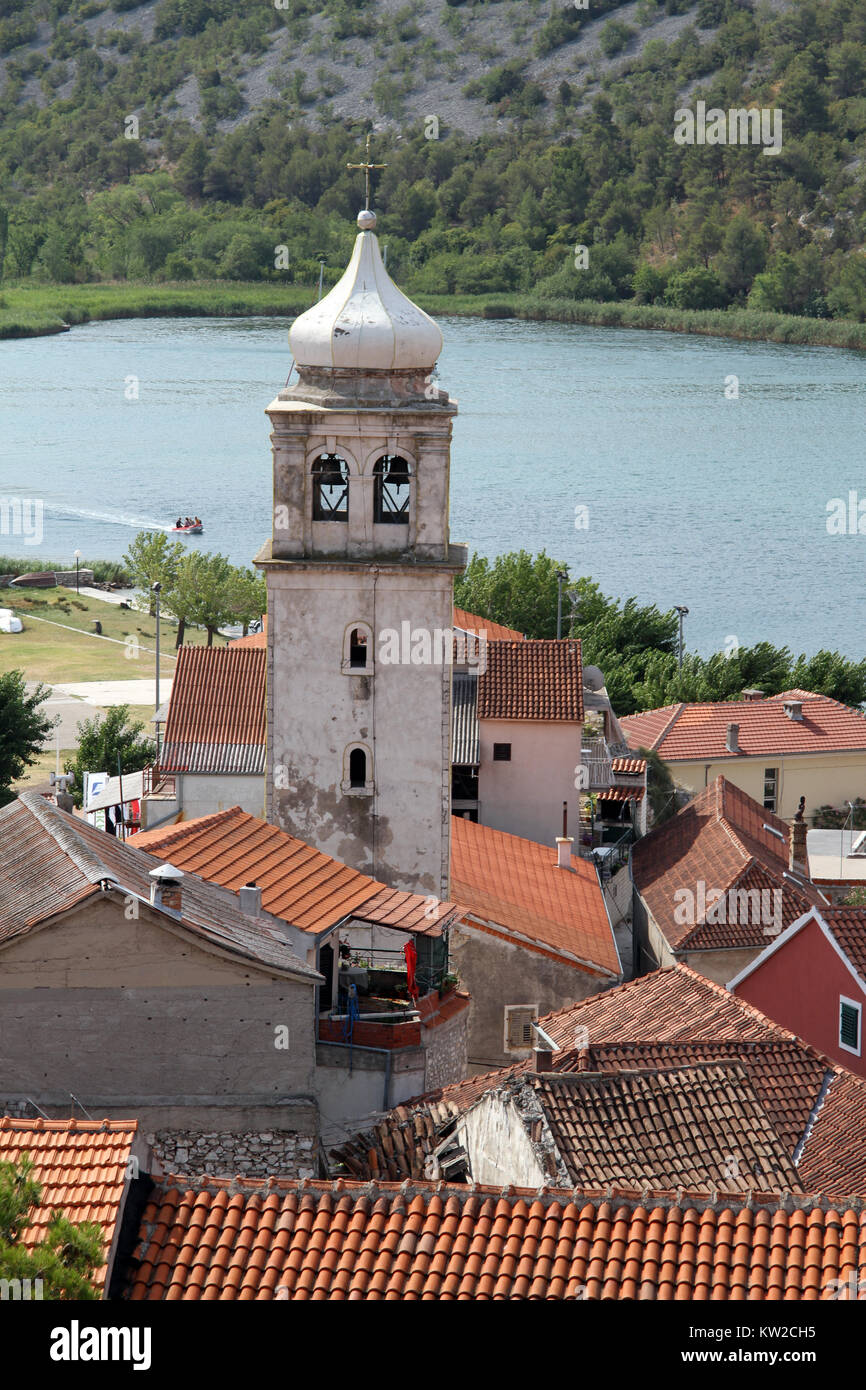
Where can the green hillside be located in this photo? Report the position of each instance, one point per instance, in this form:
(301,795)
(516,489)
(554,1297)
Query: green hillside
(514,131)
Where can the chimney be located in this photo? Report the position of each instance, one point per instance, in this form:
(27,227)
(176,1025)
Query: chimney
(798,859)
(542,1059)
(250,899)
(732,738)
(794,710)
(165,887)
(564,842)
(752,694)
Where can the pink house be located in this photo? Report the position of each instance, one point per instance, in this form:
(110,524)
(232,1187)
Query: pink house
(812,980)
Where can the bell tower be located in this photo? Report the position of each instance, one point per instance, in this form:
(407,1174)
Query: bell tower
(360,576)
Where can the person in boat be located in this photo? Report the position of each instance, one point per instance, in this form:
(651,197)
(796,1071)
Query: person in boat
(197,522)
(177,524)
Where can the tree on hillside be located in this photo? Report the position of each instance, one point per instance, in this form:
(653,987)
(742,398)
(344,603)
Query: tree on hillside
(101,739)
(518,590)
(68,1254)
(153,559)
(24,727)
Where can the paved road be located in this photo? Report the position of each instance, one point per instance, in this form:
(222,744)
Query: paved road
(70,704)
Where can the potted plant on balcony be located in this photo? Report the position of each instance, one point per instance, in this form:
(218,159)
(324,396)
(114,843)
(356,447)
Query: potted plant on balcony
(449,983)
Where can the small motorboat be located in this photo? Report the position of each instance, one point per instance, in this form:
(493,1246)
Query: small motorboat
(193,528)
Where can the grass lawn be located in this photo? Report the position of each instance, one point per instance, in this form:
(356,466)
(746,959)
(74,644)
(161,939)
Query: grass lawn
(59,646)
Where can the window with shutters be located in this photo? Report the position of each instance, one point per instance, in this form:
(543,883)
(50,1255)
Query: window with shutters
(519,1019)
(849,1025)
(502,752)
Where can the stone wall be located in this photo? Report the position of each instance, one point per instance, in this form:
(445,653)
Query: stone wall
(446,1048)
(257,1154)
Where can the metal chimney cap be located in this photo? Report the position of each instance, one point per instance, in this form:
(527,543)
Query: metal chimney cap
(166,871)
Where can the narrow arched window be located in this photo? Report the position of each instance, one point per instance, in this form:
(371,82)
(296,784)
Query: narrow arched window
(357,647)
(330,488)
(391,490)
(357,768)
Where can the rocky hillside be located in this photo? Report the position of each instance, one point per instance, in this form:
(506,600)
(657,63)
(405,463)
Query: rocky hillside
(190,139)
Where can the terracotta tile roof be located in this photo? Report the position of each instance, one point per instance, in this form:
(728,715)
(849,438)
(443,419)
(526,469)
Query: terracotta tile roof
(678,1005)
(628,766)
(496,632)
(216,715)
(370,1241)
(81,1166)
(701,1127)
(253,639)
(674,1004)
(52,861)
(670,1021)
(622,794)
(516,884)
(848,927)
(720,840)
(302,885)
(787,1077)
(532,680)
(686,732)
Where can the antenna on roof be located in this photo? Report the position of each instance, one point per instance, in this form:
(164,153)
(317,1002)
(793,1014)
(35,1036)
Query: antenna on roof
(36,1107)
(80,1106)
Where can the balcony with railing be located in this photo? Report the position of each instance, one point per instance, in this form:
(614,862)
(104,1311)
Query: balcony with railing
(157,785)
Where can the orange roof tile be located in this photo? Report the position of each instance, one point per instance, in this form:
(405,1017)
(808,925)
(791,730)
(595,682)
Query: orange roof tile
(302,885)
(253,639)
(727,842)
(418,1240)
(495,632)
(81,1166)
(515,884)
(532,680)
(216,714)
(683,732)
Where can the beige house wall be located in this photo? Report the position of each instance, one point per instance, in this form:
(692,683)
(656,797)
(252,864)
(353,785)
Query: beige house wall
(823,778)
(127,1012)
(524,796)
(498,973)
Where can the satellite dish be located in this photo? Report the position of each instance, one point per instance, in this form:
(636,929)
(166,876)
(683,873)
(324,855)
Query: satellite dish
(593,678)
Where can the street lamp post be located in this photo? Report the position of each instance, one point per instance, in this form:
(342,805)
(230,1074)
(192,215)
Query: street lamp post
(77,559)
(683,612)
(157,589)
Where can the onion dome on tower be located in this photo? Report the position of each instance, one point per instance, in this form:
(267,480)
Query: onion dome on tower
(365,343)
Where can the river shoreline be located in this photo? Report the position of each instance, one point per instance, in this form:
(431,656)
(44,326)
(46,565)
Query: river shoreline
(32,312)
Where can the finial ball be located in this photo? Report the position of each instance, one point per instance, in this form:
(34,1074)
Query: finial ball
(366,220)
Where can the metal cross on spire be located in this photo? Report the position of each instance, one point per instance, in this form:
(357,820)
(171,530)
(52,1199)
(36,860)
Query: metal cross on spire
(367,166)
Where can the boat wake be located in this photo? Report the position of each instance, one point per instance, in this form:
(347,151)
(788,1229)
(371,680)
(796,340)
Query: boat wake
(138,523)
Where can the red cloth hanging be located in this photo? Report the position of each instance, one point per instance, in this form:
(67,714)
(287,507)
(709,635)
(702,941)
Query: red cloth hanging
(411,961)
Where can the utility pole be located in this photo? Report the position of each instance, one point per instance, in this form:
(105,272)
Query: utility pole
(683,612)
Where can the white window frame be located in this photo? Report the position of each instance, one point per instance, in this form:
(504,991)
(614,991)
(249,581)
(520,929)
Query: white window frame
(853,1004)
(522,1008)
